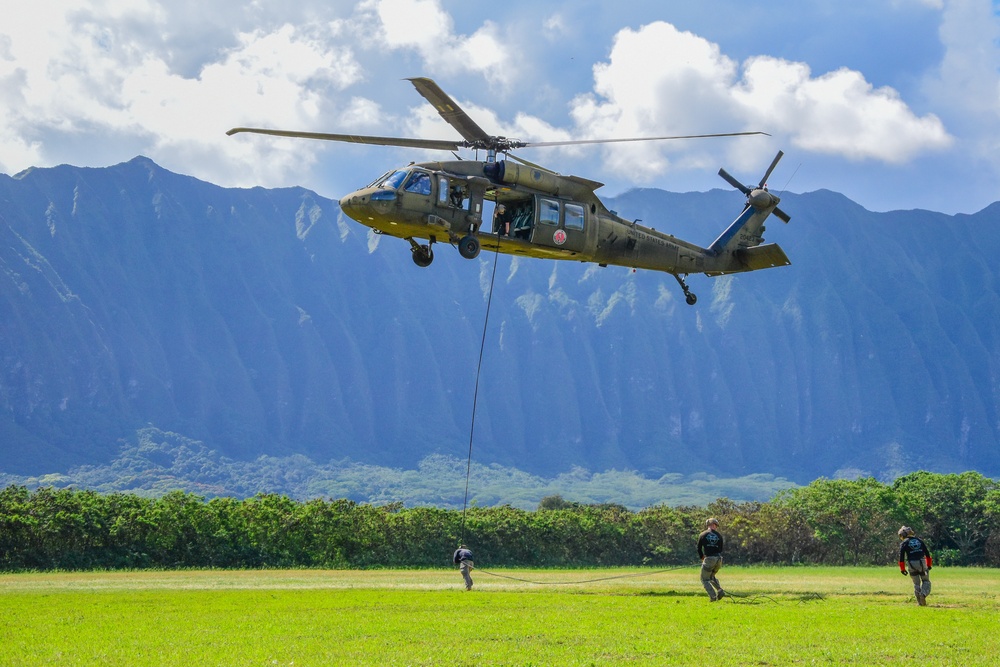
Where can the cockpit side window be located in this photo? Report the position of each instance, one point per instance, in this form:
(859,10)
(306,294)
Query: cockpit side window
(419,183)
(443,190)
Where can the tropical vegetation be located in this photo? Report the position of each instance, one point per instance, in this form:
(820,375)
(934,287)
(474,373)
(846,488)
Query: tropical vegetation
(834,522)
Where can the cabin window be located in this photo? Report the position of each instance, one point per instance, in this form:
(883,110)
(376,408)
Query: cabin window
(574,216)
(419,183)
(548,212)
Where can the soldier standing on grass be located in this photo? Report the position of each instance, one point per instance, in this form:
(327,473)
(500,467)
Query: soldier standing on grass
(710,545)
(463,558)
(913,552)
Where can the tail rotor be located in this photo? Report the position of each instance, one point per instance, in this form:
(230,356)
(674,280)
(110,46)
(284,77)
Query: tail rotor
(758,195)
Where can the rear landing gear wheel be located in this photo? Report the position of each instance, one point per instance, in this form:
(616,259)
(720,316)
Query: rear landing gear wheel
(688,294)
(422,255)
(468,247)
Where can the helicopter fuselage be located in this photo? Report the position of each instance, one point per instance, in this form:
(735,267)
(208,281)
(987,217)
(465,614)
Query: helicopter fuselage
(551,216)
(539,213)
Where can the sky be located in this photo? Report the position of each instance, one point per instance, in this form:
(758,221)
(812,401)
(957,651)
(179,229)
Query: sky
(894,103)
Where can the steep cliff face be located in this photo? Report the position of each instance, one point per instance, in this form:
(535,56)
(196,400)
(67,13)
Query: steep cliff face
(261,322)
(876,350)
(137,296)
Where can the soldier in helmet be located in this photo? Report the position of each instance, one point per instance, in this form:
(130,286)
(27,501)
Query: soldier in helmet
(710,545)
(915,554)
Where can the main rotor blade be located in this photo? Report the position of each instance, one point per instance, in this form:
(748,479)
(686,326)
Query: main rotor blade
(733,182)
(449,110)
(356,139)
(534,144)
(767,174)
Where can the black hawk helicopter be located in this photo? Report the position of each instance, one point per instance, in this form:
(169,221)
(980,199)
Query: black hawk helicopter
(538,212)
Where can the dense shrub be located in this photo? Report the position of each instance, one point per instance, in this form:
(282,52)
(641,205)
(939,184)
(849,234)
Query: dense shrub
(829,522)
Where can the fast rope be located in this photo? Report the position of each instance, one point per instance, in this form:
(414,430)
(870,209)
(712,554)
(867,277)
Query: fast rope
(760,598)
(733,598)
(475,394)
(587,581)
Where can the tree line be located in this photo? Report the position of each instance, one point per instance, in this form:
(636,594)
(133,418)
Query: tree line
(833,522)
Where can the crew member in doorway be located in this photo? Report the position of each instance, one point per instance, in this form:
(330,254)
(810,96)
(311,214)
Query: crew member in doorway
(457,196)
(915,554)
(710,544)
(501,220)
(463,558)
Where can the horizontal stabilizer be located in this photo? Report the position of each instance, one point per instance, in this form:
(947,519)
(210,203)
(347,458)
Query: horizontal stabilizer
(765,256)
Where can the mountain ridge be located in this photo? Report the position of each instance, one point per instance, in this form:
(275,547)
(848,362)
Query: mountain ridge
(262,322)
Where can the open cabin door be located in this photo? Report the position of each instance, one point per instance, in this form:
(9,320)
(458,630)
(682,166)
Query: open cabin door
(460,202)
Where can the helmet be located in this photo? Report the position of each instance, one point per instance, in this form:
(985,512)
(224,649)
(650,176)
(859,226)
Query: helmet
(905,532)
(709,522)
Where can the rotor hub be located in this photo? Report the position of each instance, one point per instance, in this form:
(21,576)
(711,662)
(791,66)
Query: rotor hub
(761,198)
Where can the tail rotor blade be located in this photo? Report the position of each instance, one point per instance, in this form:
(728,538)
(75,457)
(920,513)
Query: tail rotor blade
(733,182)
(774,163)
(781,215)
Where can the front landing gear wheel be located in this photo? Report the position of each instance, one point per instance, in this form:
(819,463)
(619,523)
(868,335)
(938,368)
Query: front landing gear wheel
(422,255)
(468,247)
(690,298)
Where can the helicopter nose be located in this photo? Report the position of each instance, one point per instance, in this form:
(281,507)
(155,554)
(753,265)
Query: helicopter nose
(367,206)
(351,205)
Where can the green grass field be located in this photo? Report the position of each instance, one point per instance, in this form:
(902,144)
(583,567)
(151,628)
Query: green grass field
(790,616)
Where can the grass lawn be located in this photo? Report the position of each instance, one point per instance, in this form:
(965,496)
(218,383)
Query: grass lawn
(859,616)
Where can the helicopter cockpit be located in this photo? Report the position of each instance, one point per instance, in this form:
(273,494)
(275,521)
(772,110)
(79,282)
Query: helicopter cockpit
(416,180)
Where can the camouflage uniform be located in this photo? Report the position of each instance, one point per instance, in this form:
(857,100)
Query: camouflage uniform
(463,558)
(710,544)
(913,553)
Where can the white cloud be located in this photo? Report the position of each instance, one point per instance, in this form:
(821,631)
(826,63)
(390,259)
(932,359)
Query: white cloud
(93,82)
(659,81)
(281,79)
(89,74)
(424,26)
(838,113)
(419,24)
(555,26)
(967,82)
(965,90)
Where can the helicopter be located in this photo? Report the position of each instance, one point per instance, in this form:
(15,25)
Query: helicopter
(538,212)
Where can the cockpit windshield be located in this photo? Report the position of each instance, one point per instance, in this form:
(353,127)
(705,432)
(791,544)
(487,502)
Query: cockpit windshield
(380,179)
(393,180)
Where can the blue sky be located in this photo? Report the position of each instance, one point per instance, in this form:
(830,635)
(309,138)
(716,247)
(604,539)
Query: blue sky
(895,103)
